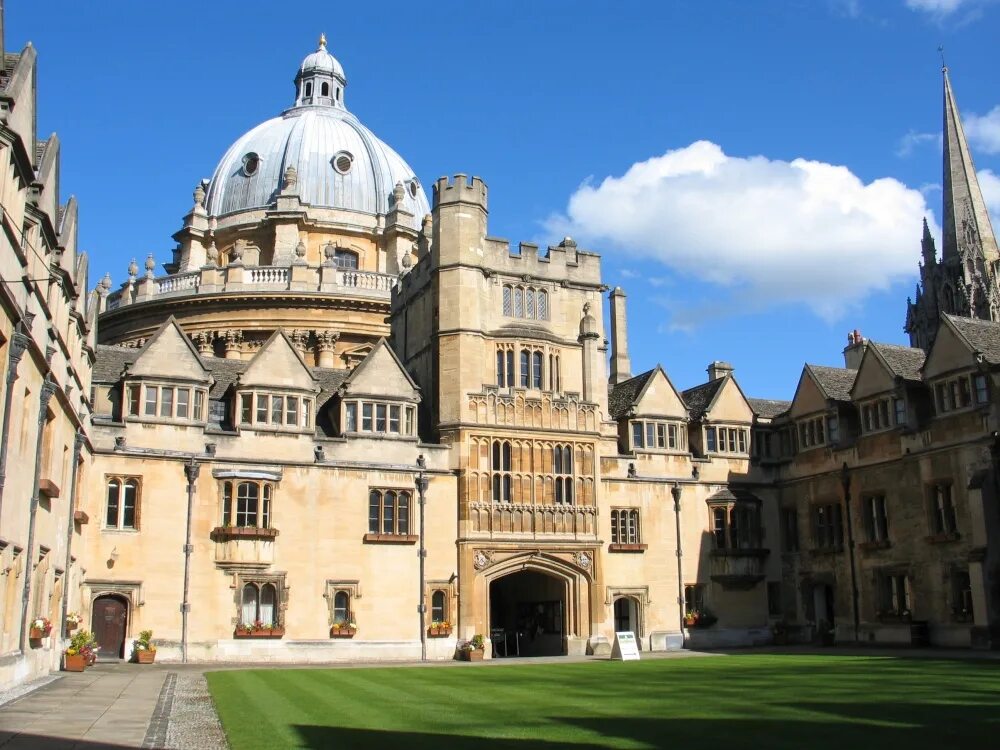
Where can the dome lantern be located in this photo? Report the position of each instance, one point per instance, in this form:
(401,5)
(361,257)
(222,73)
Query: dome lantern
(320,79)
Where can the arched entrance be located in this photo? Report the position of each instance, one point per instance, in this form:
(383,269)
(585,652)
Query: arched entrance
(109,622)
(627,617)
(528,614)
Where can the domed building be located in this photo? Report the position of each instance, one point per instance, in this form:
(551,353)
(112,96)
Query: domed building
(305,225)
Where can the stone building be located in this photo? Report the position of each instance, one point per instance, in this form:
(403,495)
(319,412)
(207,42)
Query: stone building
(348,423)
(47,329)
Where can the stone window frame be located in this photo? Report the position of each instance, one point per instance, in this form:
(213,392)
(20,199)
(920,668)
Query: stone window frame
(938,521)
(353,418)
(526,302)
(352,587)
(305,410)
(123,479)
(633,530)
(229,502)
(948,391)
(741,435)
(259,579)
(639,439)
(447,587)
(394,536)
(197,397)
(747,535)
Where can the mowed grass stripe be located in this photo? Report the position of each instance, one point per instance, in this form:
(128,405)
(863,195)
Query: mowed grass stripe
(737,701)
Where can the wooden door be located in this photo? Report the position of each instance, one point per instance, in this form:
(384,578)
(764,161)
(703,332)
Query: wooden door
(109,615)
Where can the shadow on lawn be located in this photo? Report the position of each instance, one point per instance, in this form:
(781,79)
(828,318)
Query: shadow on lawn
(914,727)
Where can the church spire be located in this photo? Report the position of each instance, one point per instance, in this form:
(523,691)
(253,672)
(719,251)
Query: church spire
(966,222)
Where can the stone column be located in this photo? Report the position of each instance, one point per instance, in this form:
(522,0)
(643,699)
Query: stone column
(326,342)
(232,339)
(621,365)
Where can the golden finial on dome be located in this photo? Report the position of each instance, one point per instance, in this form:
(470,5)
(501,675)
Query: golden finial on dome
(322,41)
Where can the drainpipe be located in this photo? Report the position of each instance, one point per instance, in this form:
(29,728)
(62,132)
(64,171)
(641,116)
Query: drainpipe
(77,447)
(19,342)
(845,481)
(675,491)
(191,470)
(422,553)
(48,388)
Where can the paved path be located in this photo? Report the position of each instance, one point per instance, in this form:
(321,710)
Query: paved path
(108,706)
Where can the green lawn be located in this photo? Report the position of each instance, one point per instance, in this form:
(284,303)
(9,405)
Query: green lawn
(731,702)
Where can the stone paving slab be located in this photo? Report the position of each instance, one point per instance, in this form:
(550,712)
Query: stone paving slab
(108,706)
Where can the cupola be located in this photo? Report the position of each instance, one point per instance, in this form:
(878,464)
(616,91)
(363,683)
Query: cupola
(320,80)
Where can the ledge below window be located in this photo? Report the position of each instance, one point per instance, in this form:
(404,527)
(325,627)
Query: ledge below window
(627,547)
(874,545)
(389,539)
(943,537)
(224,533)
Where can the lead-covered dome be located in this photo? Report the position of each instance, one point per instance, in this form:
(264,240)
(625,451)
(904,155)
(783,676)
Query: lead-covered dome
(339,163)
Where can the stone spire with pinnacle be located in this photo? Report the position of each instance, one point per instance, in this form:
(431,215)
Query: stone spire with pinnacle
(965,281)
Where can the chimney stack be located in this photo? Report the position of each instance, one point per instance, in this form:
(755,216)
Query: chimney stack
(719,369)
(855,349)
(621,365)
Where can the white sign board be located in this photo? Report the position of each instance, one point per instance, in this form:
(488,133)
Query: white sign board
(626,648)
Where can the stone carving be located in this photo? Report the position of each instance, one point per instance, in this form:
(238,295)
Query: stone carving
(150,266)
(326,340)
(291,178)
(236,253)
(583,559)
(329,253)
(213,254)
(199,196)
(133,270)
(204,341)
(481,559)
(300,249)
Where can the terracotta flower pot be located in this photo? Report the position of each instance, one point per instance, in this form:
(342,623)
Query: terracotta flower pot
(36,634)
(475,654)
(74,662)
(343,632)
(145,657)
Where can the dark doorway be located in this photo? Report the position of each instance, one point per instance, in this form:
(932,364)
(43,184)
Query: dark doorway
(627,617)
(109,620)
(528,615)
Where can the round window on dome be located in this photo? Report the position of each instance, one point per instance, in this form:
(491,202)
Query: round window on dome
(414,187)
(251,163)
(342,161)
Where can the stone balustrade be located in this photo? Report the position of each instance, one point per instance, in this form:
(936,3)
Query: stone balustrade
(243,279)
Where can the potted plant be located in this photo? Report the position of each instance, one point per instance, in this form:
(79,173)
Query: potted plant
(80,653)
(258,630)
(40,628)
(343,629)
(472,650)
(73,620)
(143,650)
(439,629)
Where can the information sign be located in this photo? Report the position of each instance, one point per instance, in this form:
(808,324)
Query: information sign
(626,647)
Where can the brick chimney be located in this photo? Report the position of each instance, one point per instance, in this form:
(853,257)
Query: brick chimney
(855,349)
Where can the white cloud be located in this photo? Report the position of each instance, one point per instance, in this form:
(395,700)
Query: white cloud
(937,7)
(983,131)
(989,183)
(766,231)
(912,140)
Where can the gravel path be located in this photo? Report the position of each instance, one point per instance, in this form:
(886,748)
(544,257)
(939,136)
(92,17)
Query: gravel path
(6,696)
(193,723)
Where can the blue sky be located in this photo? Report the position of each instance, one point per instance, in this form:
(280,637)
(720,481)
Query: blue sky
(754,173)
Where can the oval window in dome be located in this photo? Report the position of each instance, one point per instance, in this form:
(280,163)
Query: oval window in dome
(251,163)
(414,187)
(342,161)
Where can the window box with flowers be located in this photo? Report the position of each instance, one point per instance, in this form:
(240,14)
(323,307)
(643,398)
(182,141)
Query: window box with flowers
(40,628)
(699,619)
(439,629)
(472,650)
(143,651)
(258,630)
(344,629)
(73,620)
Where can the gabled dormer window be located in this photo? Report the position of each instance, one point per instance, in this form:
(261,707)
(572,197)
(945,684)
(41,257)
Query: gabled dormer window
(378,417)
(165,402)
(882,414)
(275,411)
(724,439)
(650,434)
(961,392)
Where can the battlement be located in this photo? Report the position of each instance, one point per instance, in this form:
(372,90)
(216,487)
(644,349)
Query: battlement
(460,190)
(557,263)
